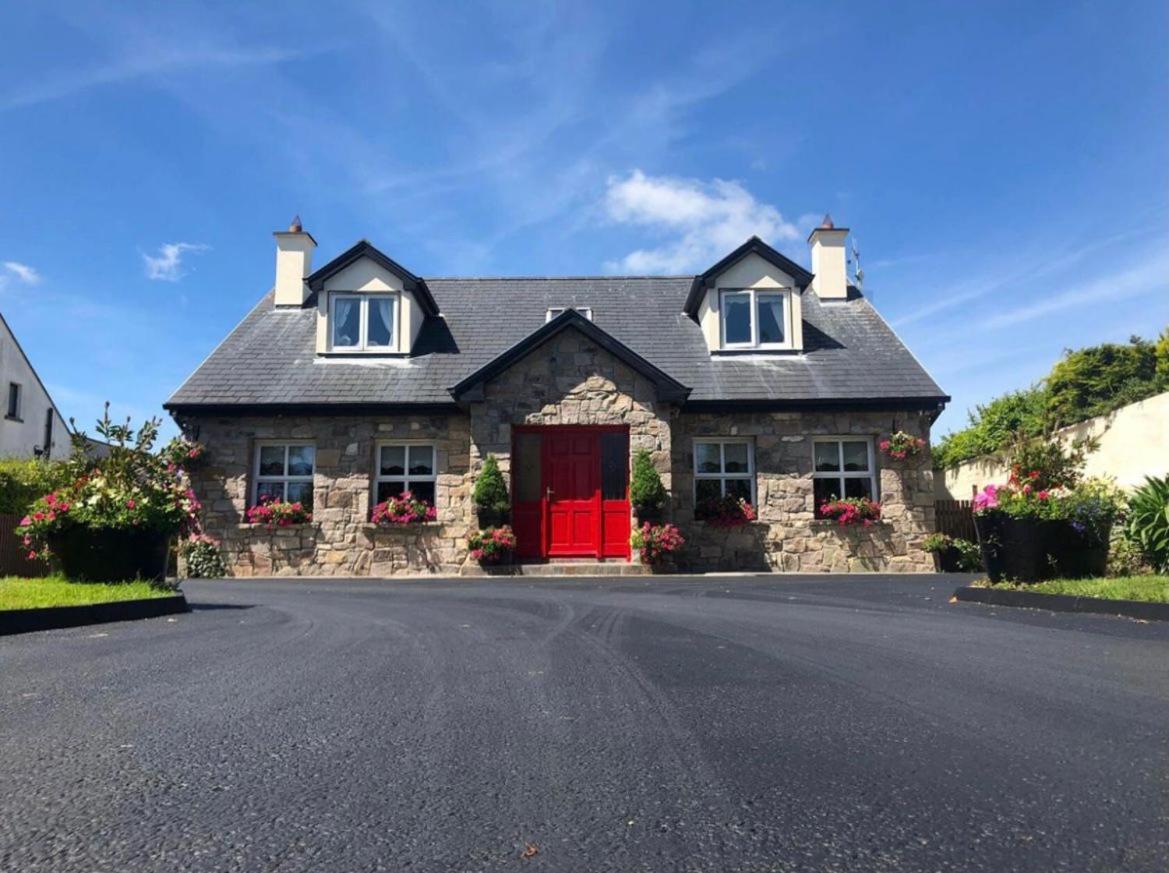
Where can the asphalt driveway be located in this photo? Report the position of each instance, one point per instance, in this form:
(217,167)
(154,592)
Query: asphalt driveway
(715,724)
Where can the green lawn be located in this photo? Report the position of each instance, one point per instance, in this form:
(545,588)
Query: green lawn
(1154,589)
(17,592)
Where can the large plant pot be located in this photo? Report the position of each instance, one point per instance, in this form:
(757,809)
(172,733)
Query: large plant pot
(111,554)
(651,514)
(491,518)
(1015,548)
(1076,555)
(947,560)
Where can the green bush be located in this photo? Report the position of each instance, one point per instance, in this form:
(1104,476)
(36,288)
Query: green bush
(992,426)
(646,491)
(204,560)
(490,494)
(23,480)
(1148,522)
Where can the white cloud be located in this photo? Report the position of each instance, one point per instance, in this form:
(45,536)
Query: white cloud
(702,220)
(167,265)
(23,272)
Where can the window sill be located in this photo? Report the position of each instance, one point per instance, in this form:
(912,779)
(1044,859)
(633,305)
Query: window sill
(733,353)
(363,353)
(247,525)
(415,525)
(827,523)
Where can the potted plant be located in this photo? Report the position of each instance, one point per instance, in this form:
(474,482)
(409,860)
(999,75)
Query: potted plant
(848,511)
(495,545)
(656,543)
(1087,513)
(953,554)
(115,518)
(401,509)
(278,513)
(726,511)
(490,494)
(901,445)
(647,494)
(1014,529)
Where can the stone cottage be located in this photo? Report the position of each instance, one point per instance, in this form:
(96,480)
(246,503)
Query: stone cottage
(756,379)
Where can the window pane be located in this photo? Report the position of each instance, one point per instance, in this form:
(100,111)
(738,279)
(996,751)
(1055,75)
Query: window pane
(393,461)
(346,321)
(706,458)
(421,460)
(614,466)
(423,491)
(300,460)
(825,489)
(739,488)
(381,321)
(302,491)
(707,489)
(769,313)
(271,460)
(269,491)
(735,455)
(386,490)
(737,318)
(525,468)
(827,457)
(858,487)
(856,456)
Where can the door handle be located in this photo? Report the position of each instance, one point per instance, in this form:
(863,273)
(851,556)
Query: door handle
(548,492)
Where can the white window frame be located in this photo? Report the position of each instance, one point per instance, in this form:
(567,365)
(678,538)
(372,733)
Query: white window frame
(364,298)
(586,311)
(284,479)
(841,474)
(405,478)
(13,411)
(723,476)
(783,294)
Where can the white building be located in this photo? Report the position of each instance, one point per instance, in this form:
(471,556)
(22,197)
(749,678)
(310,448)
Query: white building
(30,424)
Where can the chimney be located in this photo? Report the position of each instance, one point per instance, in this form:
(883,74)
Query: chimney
(294,261)
(829,261)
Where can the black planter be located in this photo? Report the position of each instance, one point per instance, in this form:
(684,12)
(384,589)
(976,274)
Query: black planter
(947,560)
(111,554)
(1077,555)
(1016,548)
(491,518)
(652,514)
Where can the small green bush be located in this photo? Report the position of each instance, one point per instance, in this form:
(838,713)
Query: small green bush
(646,491)
(203,557)
(1148,522)
(490,494)
(23,480)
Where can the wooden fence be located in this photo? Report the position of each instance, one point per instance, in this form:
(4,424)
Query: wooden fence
(14,553)
(955,518)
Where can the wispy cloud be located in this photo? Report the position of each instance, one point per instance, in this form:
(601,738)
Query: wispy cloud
(167,265)
(23,272)
(701,220)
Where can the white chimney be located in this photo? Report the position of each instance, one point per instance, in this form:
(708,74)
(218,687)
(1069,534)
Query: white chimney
(829,261)
(294,261)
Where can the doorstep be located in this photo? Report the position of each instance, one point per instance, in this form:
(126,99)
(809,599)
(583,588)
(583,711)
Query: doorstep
(567,567)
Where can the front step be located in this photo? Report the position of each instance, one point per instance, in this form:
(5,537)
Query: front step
(564,567)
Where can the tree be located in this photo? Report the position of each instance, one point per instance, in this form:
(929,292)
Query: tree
(490,494)
(646,491)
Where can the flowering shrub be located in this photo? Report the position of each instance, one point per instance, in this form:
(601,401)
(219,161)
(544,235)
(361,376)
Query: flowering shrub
(1019,498)
(405,508)
(726,511)
(902,445)
(203,557)
(492,545)
(655,541)
(278,513)
(851,510)
(132,487)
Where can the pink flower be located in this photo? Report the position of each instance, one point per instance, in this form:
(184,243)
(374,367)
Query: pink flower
(1043,495)
(987,498)
(130,504)
(32,556)
(25,522)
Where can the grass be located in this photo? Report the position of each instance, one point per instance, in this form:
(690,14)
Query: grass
(18,592)
(1149,589)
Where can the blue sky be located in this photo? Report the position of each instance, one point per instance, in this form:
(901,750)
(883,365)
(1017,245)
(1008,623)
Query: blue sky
(1003,166)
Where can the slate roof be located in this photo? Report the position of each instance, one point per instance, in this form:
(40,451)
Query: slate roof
(851,355)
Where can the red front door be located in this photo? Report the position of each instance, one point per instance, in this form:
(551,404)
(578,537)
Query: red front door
(572,465)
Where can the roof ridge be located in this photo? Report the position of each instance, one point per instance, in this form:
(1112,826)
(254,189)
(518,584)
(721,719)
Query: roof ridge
(546,278)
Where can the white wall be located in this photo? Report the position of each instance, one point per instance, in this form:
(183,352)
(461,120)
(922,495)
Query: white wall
(21,438)
(1134,443)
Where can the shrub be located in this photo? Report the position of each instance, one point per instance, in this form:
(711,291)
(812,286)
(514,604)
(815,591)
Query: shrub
(1098,379)
(405,508)
(992,426)
(278,513)
(969,555)
(1148,522)
(203,558)
(1091,507)
(492,545)
(848,511)
(646,490)
(490,494)
(726,511)
(1049,463)
(655,541)
(936,543)
(23,480)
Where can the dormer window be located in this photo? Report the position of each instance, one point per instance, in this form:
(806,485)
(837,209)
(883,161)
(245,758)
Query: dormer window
(555,311)
(755,319)
(363,322)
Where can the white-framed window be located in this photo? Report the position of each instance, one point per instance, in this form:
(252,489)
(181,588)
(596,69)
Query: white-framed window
(843,467)
(723,467)
(14,398)
(755,319)
(284,471)
(405,467)
(556,311)
(363,322)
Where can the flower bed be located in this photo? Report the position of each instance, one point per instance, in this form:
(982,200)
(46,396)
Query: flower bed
(405,508)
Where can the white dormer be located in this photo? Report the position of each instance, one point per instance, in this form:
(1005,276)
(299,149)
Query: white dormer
(750,302)
(368,305)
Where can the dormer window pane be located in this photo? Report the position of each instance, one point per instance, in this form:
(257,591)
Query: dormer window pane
(737,319)
(769,311)
(754,319)
(346,322)
(381,321)
(363,322)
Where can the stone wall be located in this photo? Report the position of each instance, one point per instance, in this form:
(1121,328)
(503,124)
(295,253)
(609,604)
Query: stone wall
(787,536)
